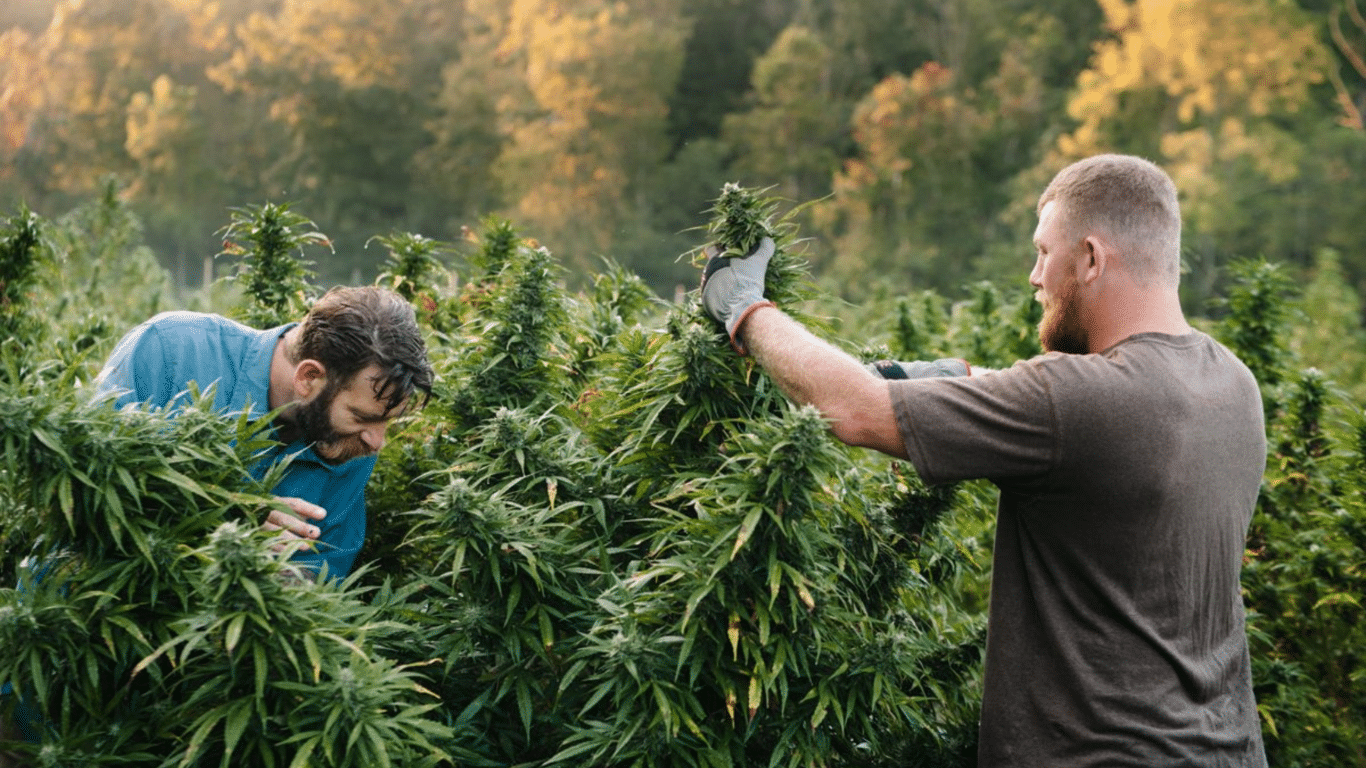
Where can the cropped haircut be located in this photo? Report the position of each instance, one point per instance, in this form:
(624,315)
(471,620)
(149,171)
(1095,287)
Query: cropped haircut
(350,329)
(1129,200)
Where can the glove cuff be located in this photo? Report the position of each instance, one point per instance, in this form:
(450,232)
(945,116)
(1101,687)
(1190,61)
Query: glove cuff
(733,327)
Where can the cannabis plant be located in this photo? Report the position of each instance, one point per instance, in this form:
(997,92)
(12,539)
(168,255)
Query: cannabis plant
(22,252)
(155,626)
(634,551)
(1303,577)
(609,540)
(1255,326)
(412,262)
(104,281)
(269,240)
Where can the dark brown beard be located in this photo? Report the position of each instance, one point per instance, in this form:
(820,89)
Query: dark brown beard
(309,422)
(1061,330)
(342,449)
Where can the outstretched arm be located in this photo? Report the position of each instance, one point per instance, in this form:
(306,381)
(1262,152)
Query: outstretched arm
(813,372)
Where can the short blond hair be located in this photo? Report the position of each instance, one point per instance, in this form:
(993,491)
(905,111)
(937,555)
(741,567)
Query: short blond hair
(1128,200)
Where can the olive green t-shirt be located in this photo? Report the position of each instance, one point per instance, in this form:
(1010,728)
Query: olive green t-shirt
(1128,478)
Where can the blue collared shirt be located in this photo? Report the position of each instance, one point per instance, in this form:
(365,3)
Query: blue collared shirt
(155,363)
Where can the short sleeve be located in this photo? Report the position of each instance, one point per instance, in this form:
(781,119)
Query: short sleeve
(1000,425)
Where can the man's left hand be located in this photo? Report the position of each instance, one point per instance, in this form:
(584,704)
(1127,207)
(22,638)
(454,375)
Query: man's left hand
(920,369)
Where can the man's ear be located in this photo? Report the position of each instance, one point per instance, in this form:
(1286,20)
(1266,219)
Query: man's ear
(1095,259)
(310,376)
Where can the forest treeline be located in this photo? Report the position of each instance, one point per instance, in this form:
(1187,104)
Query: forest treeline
(918,132)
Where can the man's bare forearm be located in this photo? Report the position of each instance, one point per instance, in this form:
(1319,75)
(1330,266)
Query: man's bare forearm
(811,371)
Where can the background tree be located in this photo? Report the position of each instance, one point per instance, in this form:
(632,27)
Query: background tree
(456,170)
(1188,85)
(587,132)
(18,98)
(1349,37)
(341,94)
(124,89)
(901,201)
(923,197)
(426,116)
(793,132)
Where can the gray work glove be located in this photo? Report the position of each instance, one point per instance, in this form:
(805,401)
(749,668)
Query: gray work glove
(920,369)
(733,286)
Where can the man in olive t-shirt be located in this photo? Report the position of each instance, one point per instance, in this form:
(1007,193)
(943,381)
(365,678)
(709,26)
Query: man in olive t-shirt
(1129,459)
(1127,482)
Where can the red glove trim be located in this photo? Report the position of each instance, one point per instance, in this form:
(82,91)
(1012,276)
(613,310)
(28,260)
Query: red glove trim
(740,321)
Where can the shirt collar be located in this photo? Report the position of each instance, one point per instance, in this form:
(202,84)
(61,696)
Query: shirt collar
(256,366)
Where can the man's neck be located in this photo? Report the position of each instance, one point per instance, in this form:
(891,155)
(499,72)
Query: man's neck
(1132,313)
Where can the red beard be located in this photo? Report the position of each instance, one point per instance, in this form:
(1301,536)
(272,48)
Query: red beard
(1061,329)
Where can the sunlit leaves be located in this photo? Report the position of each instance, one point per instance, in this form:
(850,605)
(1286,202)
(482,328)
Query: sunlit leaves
(588,127)
(1200,78)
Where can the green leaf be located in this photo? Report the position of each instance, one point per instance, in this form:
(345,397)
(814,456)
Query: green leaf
(666,712)
(180,481)
(233,633)
(747,527)
(250,588)
(600,691)
(206,724)
(66,502)
(261,665)
(234,725)
(524,705)
(304,755)
(314,656)
(52,444)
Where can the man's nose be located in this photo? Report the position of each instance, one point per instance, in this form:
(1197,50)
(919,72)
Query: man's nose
(373,437)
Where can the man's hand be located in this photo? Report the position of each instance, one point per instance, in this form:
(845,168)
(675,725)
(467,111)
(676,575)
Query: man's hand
(733,286)
(920,369)
(294,527)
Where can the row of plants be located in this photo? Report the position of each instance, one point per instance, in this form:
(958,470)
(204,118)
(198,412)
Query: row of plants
(606,541)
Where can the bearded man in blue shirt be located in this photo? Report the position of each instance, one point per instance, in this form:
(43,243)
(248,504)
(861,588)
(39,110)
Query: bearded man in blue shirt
(355,362)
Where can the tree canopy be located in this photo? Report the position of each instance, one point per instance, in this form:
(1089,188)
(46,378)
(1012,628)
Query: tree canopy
(924,129)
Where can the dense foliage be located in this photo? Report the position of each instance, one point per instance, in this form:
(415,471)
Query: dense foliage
(607,541)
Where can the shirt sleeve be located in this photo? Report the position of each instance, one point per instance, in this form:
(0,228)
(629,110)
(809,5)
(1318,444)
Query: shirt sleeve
(1000,425)
(156,362)
(134,372)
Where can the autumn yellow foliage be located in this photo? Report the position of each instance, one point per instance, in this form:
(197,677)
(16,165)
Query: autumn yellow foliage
(1223,71)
